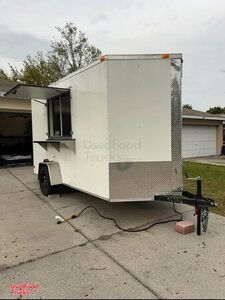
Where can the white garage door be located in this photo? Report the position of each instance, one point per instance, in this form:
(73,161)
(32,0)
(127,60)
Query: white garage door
(198,141)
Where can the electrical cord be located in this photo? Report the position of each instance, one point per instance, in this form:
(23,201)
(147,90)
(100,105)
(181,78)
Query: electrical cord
(117,225)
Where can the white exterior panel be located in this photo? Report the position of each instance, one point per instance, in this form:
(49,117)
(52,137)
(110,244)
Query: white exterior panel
(86,168)
(39,129)
(198,141)
(139,97)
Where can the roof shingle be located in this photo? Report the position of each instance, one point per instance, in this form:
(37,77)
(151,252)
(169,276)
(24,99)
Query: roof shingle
(197,113)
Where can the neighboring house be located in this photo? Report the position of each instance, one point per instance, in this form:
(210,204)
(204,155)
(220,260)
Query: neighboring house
(202,133)
(15,127)
(224,132)
(222,115)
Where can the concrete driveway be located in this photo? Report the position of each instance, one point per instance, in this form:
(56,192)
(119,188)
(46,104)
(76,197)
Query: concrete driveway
(218,160)
(90,258)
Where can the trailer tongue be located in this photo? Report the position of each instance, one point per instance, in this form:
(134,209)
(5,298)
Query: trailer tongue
(201,203)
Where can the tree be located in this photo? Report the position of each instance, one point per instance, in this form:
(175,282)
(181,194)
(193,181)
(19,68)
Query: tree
(71,52)
(73,49)
(3,74)
(216,110)
(37,70)
(187,106)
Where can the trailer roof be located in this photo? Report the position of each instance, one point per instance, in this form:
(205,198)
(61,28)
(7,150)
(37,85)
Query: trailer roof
(27,91)
(143,56)
(121,57)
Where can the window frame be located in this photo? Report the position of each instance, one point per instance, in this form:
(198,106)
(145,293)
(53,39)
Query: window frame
(51,135)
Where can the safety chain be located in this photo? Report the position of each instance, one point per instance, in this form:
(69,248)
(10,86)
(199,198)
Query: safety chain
(204,217)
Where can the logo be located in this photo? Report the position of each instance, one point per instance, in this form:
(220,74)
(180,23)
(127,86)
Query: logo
(23,289)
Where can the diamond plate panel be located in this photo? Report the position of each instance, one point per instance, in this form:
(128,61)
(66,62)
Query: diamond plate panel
(176,122)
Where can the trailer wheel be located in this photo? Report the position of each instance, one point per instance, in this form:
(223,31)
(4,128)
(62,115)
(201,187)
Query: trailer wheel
(44,182)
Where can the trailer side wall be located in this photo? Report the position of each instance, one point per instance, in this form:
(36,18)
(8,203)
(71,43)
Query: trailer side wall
(86,167)
(139,110)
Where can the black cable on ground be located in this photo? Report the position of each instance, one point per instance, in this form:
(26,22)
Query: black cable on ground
(131,230)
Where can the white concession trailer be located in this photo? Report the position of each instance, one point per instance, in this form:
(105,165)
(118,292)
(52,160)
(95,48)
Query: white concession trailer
(111,129)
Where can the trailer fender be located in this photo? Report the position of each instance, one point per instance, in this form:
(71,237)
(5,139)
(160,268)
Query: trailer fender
(53,171)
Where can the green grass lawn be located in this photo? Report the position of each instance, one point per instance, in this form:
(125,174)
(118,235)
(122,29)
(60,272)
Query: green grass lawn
(213,182)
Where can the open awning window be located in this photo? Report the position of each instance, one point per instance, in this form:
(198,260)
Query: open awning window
(27,91)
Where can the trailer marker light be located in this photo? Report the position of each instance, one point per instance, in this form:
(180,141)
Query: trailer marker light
(165,55)
(102,58)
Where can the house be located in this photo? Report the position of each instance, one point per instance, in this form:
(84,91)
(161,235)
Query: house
(222,115)
(15,127)
(224,131)
(202,133)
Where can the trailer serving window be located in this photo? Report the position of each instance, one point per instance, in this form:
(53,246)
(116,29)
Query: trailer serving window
(59,117)
(58,105)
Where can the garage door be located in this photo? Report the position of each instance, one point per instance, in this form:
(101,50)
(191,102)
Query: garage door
(198,141)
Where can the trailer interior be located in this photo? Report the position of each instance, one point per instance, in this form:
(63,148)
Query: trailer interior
(15,138)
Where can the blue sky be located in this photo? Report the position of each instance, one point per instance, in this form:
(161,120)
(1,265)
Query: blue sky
(195,28)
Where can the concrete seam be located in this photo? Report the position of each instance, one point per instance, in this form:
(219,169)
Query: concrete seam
(129,272)
(119,264)
(93,243)
(45,256)
(15,192)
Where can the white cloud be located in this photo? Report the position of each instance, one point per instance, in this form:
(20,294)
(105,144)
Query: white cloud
(17,45)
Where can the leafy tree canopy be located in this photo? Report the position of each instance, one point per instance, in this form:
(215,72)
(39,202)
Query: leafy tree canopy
(187,106)
(216,110)
(3,75)
(71,52)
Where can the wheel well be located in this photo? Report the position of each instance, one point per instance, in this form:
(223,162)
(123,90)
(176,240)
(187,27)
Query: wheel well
(41,165)
(53,171)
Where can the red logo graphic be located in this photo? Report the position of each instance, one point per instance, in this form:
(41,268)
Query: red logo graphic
(23,289)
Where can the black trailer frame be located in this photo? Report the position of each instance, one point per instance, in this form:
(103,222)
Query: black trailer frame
(200,203)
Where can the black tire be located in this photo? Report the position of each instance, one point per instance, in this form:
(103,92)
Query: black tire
(44,182)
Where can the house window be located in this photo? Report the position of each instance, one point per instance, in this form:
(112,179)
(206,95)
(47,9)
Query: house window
(59,117)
